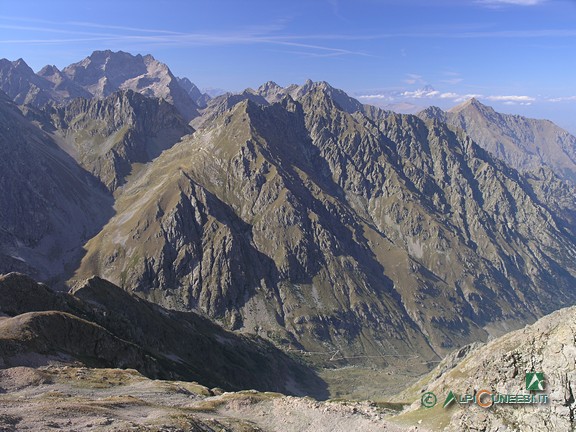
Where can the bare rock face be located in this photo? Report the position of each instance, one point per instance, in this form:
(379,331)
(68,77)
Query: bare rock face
(524,144)
(556,194)
(100,325)
(222,103)
(332,228)
(105,72)
(548,346)
(108,136)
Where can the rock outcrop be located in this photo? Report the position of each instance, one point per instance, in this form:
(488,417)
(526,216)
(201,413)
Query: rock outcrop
(548,346)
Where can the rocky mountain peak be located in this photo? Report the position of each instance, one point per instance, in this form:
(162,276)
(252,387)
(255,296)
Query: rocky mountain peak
(322,89)
(49,70)
(473,104)
(63,88)
(271,91)
(268,87)
(116,67)
(23,86)
(22,66)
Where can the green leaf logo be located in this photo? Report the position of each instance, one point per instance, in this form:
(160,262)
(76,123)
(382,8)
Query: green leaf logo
(535,381)
(449,399)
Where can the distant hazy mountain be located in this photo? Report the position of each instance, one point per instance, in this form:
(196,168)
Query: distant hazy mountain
(23,86)
(523,143)
(333,227)
(213,92)
(105,72)
(403,108)
(201,99)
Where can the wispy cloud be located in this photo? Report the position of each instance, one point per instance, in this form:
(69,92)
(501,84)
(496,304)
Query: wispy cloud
(385,97)
(512,98)
(273,34)
(268,35)
(428,93)
(511,2)
(421,93)
(115,27)
(449,95)
(562,99)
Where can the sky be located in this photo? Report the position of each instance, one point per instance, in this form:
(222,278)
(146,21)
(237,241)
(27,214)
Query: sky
(518,56)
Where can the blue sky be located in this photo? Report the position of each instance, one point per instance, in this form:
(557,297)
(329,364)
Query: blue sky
(518,56)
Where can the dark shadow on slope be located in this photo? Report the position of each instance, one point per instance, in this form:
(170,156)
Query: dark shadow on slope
(50,205)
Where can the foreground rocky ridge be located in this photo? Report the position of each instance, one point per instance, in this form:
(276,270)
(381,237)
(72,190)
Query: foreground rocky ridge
(99,325)
(547,346)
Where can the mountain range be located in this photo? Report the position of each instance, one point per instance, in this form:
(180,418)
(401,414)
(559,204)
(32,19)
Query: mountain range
(341,233)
